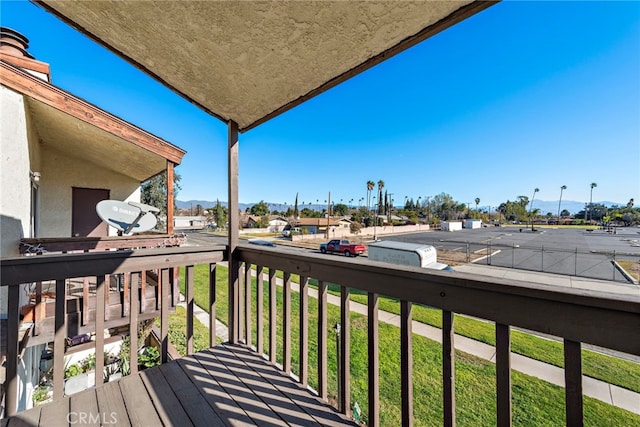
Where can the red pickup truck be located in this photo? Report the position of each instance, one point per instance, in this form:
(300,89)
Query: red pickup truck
(343,247)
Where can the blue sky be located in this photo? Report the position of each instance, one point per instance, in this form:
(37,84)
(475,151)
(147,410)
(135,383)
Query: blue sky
(522,95)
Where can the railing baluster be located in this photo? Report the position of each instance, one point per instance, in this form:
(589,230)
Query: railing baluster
(13,324)
(39,308)
(143,290)
(164,315)
(448,369)
(503,374)
(101,297)
(212,305)
(573,383)
(188,278)
(304,331)
(125,294)
(259,310)
(85,301)
(272,315)
(406,362)
(134,309)
(234,297)
(240,302)
(286,324)
(247,303)
(345,351)
(322,340)
(374,361)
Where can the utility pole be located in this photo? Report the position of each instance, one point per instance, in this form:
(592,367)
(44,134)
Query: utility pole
(328,214)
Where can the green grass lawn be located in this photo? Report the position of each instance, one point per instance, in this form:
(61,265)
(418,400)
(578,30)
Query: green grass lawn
(535,402)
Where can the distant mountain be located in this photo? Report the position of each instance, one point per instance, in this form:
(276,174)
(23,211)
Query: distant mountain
(544,206)
(243,206)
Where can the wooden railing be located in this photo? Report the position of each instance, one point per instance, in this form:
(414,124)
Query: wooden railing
(577,316)
(133,264)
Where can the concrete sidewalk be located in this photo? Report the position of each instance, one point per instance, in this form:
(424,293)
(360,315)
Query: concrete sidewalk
(605,392)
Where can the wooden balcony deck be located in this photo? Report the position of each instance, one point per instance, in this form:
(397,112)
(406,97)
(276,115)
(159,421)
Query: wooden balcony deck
(222,386)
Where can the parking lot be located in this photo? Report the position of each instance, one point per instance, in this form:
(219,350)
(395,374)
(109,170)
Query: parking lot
(575,252)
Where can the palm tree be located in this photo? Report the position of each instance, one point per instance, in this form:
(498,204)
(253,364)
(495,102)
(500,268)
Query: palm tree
(370,186)
(380,187)
(564,187)
(477,203)
(535,190)
(593,185)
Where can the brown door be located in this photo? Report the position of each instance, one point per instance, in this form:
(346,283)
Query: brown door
(84,219)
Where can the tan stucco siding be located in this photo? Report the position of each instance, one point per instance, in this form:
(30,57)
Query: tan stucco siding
(15,183)
(60,173)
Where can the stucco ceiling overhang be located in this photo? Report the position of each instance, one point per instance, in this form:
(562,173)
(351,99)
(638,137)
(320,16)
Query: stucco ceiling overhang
(85,142)
(249,61)
(78,129)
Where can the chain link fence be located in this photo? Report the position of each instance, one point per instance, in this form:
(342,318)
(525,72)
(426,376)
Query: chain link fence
(604,265)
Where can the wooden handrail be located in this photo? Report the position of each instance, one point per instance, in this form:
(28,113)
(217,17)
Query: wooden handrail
(133,264)
(613,322)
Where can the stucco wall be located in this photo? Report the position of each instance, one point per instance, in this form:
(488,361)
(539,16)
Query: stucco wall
(15,183)
(60,173)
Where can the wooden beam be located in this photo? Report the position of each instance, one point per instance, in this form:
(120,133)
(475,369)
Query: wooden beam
(234,224)
(101,297)
(36,88)
(170,197)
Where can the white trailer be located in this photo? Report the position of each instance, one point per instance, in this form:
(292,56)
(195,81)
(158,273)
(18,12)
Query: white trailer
(473,223)
(451,225)
(402,253)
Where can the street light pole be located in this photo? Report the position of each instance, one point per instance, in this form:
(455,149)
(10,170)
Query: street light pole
(564,187)
(535,190)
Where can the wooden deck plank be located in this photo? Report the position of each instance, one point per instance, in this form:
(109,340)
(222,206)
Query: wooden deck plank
(24,419)
(111,404)
(138,402)
(196,406)
(55,413)
(271,382)
(227,385)
(164,399)
(86,402)
(241,377)
(235,395)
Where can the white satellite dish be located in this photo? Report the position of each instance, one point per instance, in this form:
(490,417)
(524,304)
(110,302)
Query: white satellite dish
(127,217)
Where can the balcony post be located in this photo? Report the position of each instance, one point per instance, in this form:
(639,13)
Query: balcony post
(234,264)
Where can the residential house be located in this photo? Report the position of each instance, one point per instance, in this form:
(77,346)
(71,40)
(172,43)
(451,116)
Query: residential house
(60,156)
